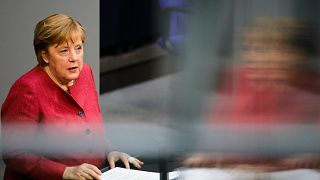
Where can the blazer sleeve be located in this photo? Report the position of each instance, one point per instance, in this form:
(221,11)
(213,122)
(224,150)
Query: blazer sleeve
(20,117)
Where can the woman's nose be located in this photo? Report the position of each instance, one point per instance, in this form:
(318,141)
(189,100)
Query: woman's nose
(72,56)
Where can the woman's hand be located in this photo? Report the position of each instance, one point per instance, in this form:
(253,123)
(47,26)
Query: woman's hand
(304,160)
(114,156)
(82,172)
(202,160)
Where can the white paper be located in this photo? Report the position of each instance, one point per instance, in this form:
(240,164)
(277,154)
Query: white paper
(130,174)
(210,173)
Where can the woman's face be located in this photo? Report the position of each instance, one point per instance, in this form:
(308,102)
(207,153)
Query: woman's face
(268,62)
(65,61)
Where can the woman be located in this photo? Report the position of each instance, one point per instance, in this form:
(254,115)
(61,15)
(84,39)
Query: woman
(52,127)
(275,84)
(274,87)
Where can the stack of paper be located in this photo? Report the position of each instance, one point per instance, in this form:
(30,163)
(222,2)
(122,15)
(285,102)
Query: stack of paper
(130,174)
(211,173)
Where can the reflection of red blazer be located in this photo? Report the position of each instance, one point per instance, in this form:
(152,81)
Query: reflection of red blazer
(49,112)
(239,102)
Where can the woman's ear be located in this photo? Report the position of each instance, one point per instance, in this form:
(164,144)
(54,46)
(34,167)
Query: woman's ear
(44,56)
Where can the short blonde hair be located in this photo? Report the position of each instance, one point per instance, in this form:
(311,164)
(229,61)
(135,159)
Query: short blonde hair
(282,30)
(56,29)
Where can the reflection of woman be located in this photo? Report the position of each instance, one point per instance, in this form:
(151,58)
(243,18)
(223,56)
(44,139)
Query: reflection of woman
(273,86)
(56,101)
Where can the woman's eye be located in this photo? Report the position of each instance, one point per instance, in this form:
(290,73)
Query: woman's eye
(63,52)
(78,49)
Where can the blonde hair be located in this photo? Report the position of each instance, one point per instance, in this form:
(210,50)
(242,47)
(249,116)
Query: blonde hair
(56,29)
(282,30)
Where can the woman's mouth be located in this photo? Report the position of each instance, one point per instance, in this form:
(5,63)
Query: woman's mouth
(73,69)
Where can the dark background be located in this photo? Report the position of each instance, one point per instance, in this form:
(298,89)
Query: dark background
(128,24)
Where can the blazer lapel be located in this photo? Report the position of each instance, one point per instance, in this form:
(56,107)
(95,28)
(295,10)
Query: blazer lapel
(79,90)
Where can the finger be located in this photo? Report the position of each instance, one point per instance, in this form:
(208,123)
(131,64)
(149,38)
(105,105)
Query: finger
(85,176)
(111,163)
(95,169)
(92,174)
(140,162)
(136,164)
(82,178)
(125,161)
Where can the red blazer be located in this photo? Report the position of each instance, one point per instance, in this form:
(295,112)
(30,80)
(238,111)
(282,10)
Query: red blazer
(240,102)
(45,129)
